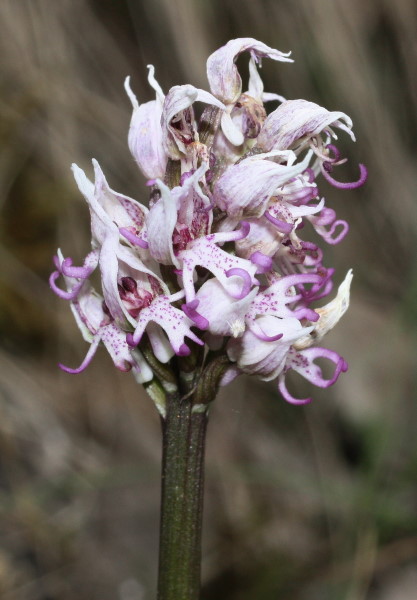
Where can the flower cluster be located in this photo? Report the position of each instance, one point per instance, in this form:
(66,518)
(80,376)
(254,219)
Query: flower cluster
(219,258)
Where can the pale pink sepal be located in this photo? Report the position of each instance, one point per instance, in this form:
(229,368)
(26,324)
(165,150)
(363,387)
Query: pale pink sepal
(161,222)
(223,76)
(145,137)
(294,122)
(245,189)
(178,103)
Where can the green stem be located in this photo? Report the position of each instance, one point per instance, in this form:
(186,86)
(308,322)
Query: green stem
(184,432)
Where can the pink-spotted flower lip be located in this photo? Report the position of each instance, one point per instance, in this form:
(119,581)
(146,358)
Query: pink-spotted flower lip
(145,137)
(175,324)
(96,325)
(295,122)
(303,363)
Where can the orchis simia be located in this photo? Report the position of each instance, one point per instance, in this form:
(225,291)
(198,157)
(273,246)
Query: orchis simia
(215,277)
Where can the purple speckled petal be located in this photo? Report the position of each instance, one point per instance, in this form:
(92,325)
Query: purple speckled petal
(145,134)
(303,363)
(204,252)
(172,320)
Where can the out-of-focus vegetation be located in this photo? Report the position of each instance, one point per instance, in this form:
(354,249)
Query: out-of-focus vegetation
(302,503)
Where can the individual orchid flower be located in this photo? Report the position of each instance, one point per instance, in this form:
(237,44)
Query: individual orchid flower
(136,296)
(97,325)
(263,352)
(225,81)
(145,134)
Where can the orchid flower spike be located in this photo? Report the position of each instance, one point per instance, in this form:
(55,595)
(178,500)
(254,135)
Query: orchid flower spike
(215,260)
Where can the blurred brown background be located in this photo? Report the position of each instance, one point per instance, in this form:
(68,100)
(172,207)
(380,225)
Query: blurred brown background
(301,503)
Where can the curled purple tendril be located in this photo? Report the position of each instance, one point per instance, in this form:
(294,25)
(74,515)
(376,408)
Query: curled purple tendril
(345,186)
(282,226)
(189,308)
(247,282)
(262,261)
(336,152)
(71,295)
(133,238)
(243,231)
(335,240)
(263,336)
(77,272)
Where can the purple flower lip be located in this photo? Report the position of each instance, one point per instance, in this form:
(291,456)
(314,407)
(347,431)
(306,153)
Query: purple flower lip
(348,185)
(262,261)
(247,282)
(282,226)
(133,238)
(189,308)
